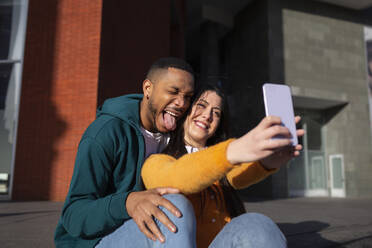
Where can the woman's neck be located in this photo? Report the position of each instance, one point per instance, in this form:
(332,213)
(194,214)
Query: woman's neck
(194,143)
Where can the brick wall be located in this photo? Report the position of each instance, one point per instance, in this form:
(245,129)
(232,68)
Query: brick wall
(78,51)
(59,94)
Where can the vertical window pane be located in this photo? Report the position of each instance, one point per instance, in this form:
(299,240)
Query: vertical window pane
(5,72)
(337,172)
(6,10)
(317,178)
(13,15)
(296,173)
(5,145)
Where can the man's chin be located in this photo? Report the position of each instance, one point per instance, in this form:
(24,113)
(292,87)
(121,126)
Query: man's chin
(165,130)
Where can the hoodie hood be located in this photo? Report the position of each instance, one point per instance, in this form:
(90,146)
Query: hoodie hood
(125,107)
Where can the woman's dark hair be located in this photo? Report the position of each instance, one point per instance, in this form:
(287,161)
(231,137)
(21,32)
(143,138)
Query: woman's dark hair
(176,148)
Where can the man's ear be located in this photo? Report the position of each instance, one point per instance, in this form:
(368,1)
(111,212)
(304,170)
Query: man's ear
(147,87)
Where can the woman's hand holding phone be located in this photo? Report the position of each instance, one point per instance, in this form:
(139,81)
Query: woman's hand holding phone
(259,144)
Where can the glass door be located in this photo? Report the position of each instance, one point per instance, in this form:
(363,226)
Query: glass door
(307,174)
(317,174)
(337,175)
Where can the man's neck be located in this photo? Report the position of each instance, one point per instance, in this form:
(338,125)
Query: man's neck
(145,122)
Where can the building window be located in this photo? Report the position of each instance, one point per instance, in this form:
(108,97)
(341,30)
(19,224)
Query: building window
(13,17)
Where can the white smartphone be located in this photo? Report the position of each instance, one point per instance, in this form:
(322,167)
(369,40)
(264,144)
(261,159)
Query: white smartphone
(278,102)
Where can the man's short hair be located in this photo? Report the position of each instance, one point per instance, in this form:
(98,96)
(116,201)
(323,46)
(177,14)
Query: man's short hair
(165,63)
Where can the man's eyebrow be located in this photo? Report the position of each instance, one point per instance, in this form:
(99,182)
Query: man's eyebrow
(178,89)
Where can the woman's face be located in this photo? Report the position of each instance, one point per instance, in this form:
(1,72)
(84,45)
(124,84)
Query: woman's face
(203,121)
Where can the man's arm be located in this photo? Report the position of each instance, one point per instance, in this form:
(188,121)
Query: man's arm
(90,208)
(94,209)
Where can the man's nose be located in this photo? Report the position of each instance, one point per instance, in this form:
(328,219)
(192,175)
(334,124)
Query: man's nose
(180,101)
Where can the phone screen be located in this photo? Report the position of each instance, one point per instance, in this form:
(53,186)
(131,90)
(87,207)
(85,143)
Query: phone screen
(278,102)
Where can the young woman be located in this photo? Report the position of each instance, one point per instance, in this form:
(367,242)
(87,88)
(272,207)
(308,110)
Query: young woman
(207,177)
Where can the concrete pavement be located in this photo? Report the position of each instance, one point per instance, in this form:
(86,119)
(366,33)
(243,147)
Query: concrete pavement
(307,222)
(320,222)
(28,224)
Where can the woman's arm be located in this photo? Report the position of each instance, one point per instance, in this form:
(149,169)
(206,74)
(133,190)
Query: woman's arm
(191,173)
(247,174)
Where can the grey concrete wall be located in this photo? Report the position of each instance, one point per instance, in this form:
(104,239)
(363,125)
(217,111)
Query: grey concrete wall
(318,49)
(324,57)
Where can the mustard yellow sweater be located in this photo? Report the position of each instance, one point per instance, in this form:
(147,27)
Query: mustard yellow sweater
(193,173)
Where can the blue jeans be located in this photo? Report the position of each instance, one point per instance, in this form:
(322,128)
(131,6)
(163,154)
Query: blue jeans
(129,235)
(246,231)
(250,230)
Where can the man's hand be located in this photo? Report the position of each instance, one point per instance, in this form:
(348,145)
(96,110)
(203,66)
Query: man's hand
(282,156)
(142,206)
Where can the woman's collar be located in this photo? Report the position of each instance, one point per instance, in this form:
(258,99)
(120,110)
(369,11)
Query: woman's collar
(191,149)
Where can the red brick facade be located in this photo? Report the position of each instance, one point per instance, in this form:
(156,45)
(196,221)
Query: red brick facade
(59,94)
(78,51)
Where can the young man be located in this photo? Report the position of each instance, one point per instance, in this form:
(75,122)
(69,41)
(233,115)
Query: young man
(106,189)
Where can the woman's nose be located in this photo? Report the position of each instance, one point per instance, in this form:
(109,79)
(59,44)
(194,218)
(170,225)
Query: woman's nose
(207,115)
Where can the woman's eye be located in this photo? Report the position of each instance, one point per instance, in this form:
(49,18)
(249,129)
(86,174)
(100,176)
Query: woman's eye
(218,114)
(200,105)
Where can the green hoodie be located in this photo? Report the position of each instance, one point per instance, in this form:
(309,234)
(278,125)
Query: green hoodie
(107,168)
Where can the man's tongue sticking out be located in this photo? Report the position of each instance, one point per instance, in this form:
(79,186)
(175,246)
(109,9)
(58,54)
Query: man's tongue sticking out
(169,121)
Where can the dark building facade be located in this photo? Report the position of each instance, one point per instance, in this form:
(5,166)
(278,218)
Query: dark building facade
(318,49)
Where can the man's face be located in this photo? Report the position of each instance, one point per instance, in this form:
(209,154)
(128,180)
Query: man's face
(168,99)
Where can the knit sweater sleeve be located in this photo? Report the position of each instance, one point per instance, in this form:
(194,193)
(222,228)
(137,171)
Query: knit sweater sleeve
(191,173)
(247,174)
